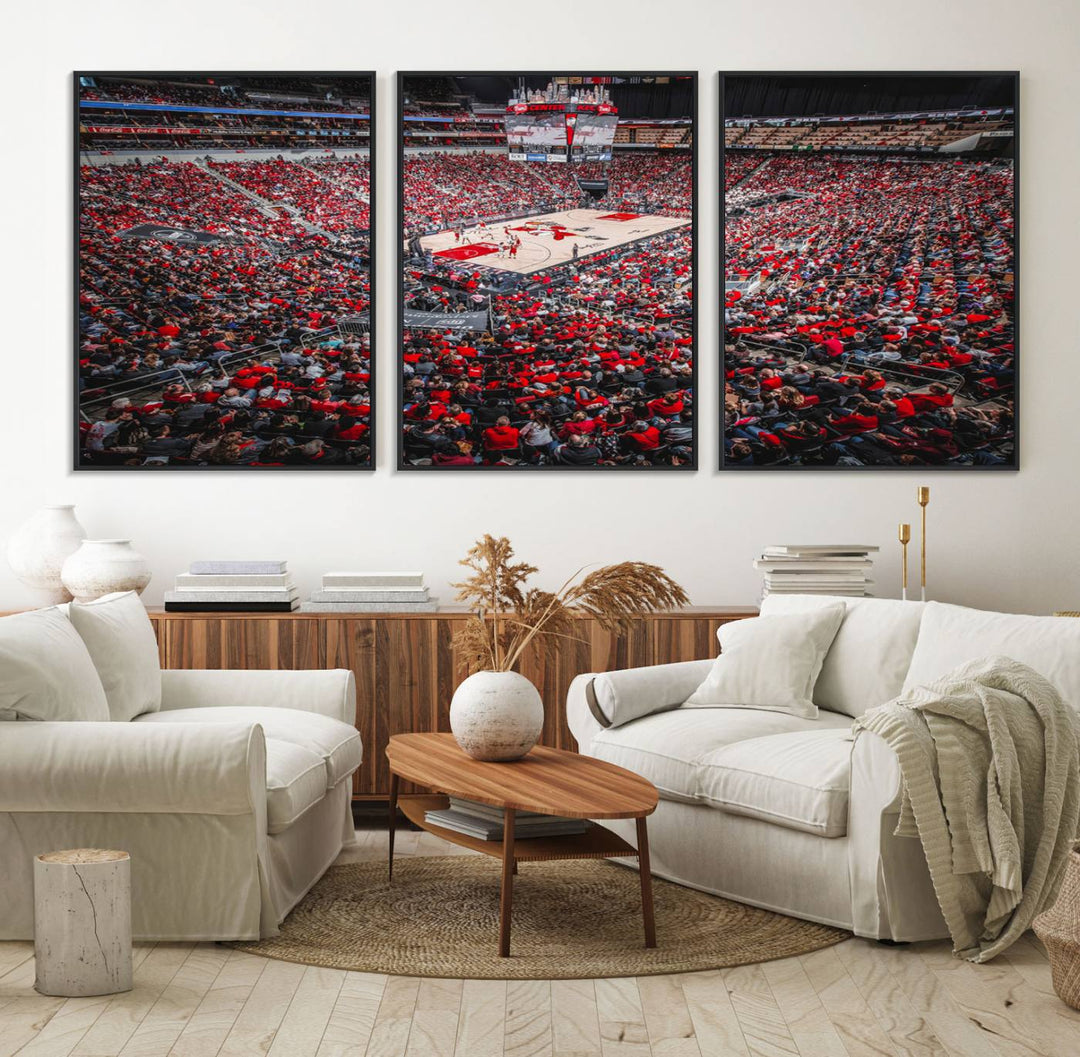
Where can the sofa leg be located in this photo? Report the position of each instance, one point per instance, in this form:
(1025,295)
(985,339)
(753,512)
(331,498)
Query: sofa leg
(894,943)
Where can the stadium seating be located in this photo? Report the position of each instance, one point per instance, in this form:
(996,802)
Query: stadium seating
(238,351)
(590,364)
(869,310)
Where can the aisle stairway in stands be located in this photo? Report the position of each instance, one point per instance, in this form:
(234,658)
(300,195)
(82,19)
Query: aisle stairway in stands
(271,209)
(749,175)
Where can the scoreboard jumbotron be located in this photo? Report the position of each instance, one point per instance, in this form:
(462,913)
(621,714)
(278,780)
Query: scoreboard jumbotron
(560,131)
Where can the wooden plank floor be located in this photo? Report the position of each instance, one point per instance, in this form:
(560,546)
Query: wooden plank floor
(857,999)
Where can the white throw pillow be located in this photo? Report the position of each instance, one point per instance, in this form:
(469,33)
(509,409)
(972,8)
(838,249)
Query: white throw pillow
(45,670)
(770,663)
(869,657)
(121,641)
(954,635)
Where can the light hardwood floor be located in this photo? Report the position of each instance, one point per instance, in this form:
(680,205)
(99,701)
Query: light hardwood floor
(856,999)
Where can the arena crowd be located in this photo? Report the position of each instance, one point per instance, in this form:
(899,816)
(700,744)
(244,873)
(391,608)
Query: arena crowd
(587,364)
(869,313)
(232,351)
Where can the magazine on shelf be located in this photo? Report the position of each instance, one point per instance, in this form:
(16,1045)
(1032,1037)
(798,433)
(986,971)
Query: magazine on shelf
(488,829)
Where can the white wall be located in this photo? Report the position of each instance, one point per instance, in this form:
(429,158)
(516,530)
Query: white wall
(996,540)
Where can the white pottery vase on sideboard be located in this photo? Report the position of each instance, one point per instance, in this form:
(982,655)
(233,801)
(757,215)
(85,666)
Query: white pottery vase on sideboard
(100,567)
(37,551)
(496,715)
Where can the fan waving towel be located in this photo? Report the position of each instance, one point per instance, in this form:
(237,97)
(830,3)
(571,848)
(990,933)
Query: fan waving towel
(990,761)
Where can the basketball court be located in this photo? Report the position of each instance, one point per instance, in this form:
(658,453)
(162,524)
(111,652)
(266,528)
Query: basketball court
(547,239)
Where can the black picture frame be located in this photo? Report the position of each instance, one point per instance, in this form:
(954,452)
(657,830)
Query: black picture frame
(1011,75)
(372,78)
(399,447)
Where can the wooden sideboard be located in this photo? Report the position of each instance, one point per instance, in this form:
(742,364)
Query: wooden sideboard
(406,667)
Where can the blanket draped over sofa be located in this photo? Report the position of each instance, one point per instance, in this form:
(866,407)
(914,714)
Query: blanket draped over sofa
(990,761)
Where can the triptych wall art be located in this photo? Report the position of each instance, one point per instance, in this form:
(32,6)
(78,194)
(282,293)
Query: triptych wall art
(546,271)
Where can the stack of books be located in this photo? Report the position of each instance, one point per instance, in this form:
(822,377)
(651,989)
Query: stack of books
(234,587)
(371,593)
(817,569)
(486,822)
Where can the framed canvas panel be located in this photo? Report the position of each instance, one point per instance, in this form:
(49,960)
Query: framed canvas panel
(547,260)
(223,271)
(868,243)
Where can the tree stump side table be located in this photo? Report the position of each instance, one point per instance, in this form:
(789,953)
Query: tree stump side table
(82,922)
(1059,930)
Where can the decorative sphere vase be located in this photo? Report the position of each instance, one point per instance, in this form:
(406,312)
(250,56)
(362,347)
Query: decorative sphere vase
(102,567)
(37,551)
(496,715)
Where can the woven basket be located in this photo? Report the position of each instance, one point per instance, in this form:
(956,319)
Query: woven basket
(1059,929)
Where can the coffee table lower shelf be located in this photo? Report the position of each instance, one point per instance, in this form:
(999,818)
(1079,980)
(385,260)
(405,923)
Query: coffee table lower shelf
(596,842)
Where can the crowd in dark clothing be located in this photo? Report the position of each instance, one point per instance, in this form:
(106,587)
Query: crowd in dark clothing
(870,319)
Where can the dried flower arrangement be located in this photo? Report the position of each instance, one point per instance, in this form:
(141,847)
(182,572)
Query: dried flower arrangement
(507,615)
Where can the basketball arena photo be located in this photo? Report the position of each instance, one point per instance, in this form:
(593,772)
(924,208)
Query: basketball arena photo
(547,271)
(869,241)
(224,271)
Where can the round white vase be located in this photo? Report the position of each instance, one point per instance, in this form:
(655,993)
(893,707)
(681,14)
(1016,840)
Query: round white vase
(496,715)
(37,551)
(100,567)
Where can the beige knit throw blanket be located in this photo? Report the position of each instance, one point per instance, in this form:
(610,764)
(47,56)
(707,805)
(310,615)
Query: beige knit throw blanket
(990,761)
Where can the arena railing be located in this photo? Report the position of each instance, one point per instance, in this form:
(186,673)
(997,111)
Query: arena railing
(145,384)
(924,376)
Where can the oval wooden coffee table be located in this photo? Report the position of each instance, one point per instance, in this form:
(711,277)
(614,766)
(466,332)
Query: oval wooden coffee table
(548,781)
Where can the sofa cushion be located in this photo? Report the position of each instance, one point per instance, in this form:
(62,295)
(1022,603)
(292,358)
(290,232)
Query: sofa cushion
(336,743)
(870,656)
(622,696)
(45,670)
(295,780)
(799,780)
(953,635)
(668,748)
(120,639)
(770,662)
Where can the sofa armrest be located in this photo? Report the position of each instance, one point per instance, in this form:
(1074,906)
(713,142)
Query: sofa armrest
(330,692)
(610,699)
(892,896)
(579,718)
(186,768)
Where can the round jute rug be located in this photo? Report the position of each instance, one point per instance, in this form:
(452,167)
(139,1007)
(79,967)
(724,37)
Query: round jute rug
(575,918)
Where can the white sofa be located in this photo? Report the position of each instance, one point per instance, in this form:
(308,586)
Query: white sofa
(232,793)
(794,814)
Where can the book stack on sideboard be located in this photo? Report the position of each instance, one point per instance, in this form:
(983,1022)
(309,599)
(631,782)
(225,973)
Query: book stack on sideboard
(817,569)
(372,592)
(234,587)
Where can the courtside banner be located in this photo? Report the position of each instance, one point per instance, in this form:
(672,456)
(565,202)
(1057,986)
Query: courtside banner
(443,321)
(165,233)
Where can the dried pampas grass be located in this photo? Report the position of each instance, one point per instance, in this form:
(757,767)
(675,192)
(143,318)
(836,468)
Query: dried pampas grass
(507,615)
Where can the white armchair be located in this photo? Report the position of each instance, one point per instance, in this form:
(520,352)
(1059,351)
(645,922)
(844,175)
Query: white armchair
(232,799)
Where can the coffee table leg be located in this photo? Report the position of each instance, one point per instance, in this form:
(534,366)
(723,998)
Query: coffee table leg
(506,897)
(393,821)
(646,882)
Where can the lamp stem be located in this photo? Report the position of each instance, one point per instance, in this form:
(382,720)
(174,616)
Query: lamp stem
(922,542)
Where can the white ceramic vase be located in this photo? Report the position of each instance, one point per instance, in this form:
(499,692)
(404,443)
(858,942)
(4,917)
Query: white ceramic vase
(37,551)
(100,567)
(496,715)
